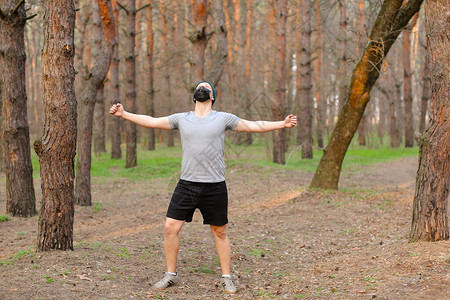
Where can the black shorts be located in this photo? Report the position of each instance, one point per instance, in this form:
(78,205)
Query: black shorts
(210,198)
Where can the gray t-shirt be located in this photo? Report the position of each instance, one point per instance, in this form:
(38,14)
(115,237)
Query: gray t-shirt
(202,142)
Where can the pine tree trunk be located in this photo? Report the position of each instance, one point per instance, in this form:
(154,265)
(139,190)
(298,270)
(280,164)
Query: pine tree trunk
(199,39)
(150,106)
(99,122)
(425,94)
(167,72)
(116,151)
(430,208)
(278,106)
(320,110)
(407,89)
(390,21)
(305,94)
(343,57)
(56,149)
(20,197)
(248,138)
(220,56)
(393,117)
(130,85)
(103,33)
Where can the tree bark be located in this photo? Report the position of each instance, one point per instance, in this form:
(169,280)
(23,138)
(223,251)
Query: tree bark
(344,53)
(220,56)
(20,197)
(199,38)
(430,220)
(167,57)
(362,128)
(320,110)
(150,104)
(278,105)
(99,122)
(426,93)
(56,148)
(390,21)
(104,39)
(394,117)
(305,94)
(407,86)
(130,85)
(116,151)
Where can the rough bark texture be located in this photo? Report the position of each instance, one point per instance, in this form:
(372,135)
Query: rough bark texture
(391,19)
(130,84)
(20,197)
(278,104)
(104,39)
(56,148)
(99,122)
(116,151)
(150,105)
(305,94)
(430,220)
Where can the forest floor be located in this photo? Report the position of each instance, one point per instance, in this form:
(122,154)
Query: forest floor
(287,242)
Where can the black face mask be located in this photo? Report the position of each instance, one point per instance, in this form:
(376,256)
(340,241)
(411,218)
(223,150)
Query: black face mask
(202,94)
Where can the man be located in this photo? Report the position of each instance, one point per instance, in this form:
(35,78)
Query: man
(202,180)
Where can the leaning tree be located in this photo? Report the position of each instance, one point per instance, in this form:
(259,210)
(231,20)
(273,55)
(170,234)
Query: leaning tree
(430,220)
(391,19)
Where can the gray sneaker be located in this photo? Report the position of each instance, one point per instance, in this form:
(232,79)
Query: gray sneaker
(167,281)
(228,285)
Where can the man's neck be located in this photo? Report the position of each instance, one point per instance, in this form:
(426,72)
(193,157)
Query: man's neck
(202,109)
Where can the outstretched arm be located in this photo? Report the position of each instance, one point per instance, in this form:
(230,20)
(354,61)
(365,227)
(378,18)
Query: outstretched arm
(143,120)
(265,126)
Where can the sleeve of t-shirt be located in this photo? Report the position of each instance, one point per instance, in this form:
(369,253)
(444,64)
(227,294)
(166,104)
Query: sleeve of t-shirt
(231,121)
(174,120)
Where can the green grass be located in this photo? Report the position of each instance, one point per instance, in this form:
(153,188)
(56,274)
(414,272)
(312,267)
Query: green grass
(355,158)
(165,162)
(4,218)
(30,252)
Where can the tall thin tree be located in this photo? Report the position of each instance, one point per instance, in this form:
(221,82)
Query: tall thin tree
(103,32)
(56,148)
(20,197)
(321,102)
(407,84)
(150,105)
(130,84)
(279,105)
(305,93)
(116,151)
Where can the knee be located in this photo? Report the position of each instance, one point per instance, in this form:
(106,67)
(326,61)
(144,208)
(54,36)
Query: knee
(219,232)
(172,228)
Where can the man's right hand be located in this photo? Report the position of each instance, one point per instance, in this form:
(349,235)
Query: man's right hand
(116,110)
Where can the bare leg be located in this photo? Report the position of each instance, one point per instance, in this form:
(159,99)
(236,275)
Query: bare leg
(223,247)
(172,243)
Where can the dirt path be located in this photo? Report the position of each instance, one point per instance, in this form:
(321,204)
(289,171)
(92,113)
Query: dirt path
(288,243)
